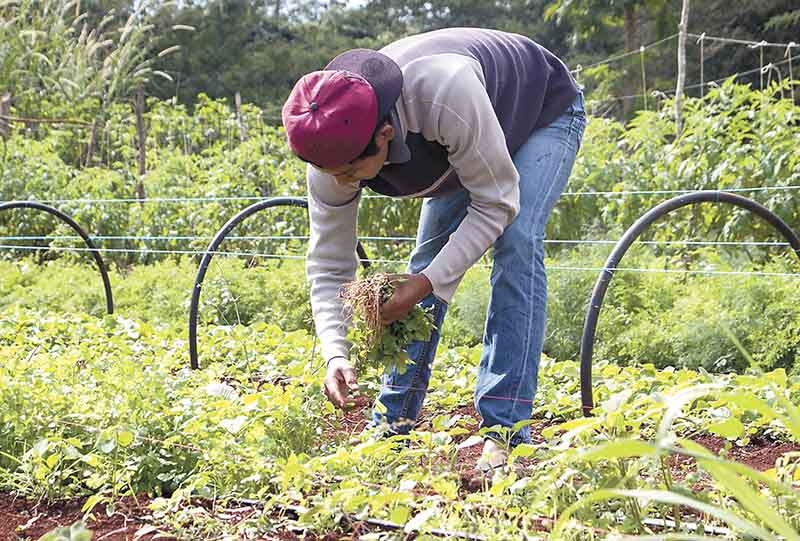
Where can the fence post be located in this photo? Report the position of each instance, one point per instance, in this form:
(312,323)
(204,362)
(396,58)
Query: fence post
(138,106)
(239,120)
(5,110)
(92,142)
(681,66)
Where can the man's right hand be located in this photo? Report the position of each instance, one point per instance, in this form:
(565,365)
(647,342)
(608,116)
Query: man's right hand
(340,381)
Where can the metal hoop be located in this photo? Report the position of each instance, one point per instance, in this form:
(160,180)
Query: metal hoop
(633,232)
(79,230)
(194,305)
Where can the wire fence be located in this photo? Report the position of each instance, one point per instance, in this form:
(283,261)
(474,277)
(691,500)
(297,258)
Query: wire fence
(255,198)
(297,257)
(167,238)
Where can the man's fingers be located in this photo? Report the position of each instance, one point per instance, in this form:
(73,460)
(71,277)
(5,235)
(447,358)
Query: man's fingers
(333,392)
(339,385)
(350,378)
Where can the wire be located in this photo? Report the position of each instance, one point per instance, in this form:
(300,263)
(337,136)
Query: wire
(753,44)
(390,239)
(620,56)
(399,261)
(679,192)
(740,74)
(701,84)
(370,196)
(148,251)
(185,199)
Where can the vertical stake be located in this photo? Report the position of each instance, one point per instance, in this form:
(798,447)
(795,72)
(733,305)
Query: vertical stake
(5,111)
(644,77)
(239,120)
(681,66)
(140,135)
(791,76)
(701,41)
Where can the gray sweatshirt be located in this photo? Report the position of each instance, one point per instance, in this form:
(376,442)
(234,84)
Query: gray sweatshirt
(470,99)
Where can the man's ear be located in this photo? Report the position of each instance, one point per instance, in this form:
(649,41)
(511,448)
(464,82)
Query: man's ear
(385,134)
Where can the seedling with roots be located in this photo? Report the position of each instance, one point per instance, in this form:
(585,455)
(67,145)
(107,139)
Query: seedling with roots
(374,344)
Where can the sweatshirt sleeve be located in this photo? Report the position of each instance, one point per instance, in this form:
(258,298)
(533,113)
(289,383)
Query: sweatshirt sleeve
(331,259)
(463,120)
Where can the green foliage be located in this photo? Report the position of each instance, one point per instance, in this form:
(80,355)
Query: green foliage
(110,409)
(58,61)
(274,292)
(668,319)
(734,138)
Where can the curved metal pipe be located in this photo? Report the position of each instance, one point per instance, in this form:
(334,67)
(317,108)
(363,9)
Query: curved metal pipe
(79,230)
(194,305)
(633,232)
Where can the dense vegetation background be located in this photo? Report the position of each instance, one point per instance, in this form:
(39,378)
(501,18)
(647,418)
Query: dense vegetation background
(260,48)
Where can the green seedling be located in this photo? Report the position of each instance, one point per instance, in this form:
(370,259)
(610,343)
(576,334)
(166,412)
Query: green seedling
(376,345)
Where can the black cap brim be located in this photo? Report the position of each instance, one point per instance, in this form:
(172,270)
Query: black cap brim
(382,73)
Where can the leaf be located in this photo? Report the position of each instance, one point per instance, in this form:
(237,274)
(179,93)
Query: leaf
(222,390)
(522,450)
(144,530)
(619,449)
(400,514)
(731,428)
(76,532)
(470,442)
(663,496)
(419,519)
(107,446)
(750,499)
(92,501)
(677,403)
(580,422)
(125,438)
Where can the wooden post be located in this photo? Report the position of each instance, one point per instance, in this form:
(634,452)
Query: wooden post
(138,106)
(681,66)
(5,110)
(239,121)
(92,141)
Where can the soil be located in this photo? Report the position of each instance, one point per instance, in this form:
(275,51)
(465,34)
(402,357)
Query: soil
(760,454)
(23,519)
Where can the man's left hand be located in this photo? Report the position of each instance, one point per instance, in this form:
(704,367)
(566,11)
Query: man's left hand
(409,289)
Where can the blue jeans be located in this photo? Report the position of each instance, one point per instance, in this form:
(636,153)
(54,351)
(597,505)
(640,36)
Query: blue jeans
(515,322)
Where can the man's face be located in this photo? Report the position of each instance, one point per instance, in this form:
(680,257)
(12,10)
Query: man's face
(367,167)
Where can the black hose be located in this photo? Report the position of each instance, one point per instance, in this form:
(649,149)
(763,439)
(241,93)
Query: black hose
(633,232)
(194,305)
(79,230)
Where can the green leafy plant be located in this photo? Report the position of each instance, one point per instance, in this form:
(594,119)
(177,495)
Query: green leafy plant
(376,345)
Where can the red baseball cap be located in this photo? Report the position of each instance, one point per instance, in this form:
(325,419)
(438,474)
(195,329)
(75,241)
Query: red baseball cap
(331,115)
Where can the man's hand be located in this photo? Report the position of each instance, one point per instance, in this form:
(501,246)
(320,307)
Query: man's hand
(409,290)
(340,381)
